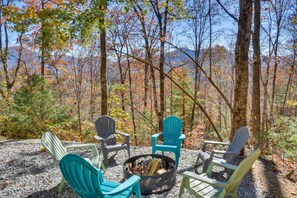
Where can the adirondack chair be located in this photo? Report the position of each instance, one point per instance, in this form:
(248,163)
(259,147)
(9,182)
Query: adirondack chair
(239,140)
(203,186)
(106,134)
(172,137)
(87,181)
(55,148)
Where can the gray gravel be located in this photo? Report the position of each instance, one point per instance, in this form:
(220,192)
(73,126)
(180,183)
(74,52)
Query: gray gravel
(26,171)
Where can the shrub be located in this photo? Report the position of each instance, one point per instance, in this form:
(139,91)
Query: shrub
(34,110)
(283,136)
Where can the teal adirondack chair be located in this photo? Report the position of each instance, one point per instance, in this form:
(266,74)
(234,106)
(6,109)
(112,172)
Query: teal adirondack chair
(55,148)
(87,181)
(203,186)
(172,137)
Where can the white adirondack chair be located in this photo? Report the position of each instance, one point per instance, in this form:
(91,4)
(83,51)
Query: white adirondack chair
(55,148)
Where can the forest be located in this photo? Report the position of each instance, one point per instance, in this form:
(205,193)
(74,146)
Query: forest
(218,65)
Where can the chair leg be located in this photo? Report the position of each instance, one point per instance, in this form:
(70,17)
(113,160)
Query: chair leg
(61,185)
(128,145)
(182,187)
(205,165)
(128,149)
(177,156)
(234,193)
(137,190)
(105,157)
(198,157)
(197,163)
(153,150)
(102,166)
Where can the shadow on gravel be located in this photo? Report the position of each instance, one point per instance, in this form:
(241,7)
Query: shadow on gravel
(190,168)
(8,141)
(34,153)
(53,192)
(271,178)
(112,162)
(31,167)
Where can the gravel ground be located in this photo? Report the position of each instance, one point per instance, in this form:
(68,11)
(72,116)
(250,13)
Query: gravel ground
(26,171)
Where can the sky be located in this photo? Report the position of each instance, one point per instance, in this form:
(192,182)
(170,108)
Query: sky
(225,29)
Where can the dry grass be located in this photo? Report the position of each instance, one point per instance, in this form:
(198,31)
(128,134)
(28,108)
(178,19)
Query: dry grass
(2,137)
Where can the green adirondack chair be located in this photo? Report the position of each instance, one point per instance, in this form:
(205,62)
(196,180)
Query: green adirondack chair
(55,148)
(203,186)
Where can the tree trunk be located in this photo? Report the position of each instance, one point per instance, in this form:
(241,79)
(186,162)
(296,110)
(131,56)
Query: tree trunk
(42,43)
(104,104)
(256,103)
(92,88)
(4,50)
(241,66)
(162,22)
(288,84)
(171,94)
(122,79)
(132,104)
(184,99)
(196,85)
(146,66)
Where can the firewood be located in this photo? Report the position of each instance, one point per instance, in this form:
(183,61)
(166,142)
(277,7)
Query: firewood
(153,167)
(161,171)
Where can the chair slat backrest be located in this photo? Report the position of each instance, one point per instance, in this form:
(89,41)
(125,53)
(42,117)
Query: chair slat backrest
(83,178)
(53,145)
(105,127)
(241,171)
(172,130)
(239,140)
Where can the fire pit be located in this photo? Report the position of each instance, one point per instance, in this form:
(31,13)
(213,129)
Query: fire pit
(157,172)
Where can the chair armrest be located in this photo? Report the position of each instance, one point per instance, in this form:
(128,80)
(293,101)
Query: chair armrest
(93,146)
(182,137)
(124,186)
(204,179)
(221,152)
(123,134)
(96,137)
(216,142)
(224,152)
(221,164)
(157,135)
(127,137)
(206,142)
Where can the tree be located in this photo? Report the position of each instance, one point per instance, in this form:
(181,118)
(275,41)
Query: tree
(198,26)
(103,80)
(241,66)
(35,110)
(162,16)
(256,103)
(279,8)
(10,72)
